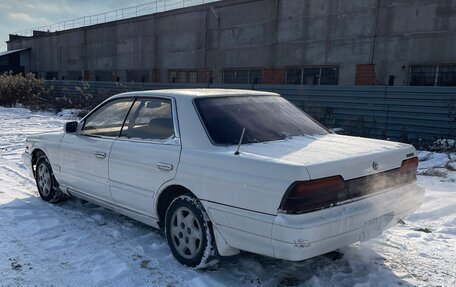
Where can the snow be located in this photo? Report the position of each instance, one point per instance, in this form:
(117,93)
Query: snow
(69,114)
(438,164)
(307,149)
(76,243)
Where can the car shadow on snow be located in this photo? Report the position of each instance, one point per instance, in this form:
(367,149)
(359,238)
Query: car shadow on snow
(80,234)
(145,249)
(359,265)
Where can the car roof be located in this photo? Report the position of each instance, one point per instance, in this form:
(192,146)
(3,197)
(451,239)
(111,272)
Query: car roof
(194,93)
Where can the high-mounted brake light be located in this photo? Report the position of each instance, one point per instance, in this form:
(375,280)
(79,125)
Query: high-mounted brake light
(313,194)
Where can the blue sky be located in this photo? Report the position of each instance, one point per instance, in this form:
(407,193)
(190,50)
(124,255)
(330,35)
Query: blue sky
(26,14)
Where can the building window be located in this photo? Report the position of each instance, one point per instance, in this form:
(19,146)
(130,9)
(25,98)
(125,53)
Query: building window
(182,76)
(192,77)
(432,75)
(242,76)
(172,76)
(138,76)
(325,75)
(52,76)
(74,75)
(103,76)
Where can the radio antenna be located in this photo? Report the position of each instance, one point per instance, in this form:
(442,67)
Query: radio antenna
(240,142)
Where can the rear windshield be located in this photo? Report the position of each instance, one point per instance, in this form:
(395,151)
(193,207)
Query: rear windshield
(265,118)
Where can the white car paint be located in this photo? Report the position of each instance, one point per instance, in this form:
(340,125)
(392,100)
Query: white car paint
(80,166)
(137,189)
(241,193)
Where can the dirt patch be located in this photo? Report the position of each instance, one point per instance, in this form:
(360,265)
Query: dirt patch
(421,229)
(15,265)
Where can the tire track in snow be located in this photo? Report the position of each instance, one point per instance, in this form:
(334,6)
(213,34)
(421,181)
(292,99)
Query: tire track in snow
(17,174)
(78,223)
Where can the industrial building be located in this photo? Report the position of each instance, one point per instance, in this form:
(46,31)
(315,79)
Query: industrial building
(297,42)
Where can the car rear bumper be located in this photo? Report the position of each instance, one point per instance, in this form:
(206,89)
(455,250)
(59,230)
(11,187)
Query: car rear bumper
(298,237)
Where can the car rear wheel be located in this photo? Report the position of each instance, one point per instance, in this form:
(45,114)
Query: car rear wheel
(189,233)
(46,182)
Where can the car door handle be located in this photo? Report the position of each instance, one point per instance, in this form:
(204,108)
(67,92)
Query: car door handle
(164,166)
(100,155)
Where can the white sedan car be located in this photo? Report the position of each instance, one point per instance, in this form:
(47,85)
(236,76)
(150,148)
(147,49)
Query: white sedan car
(227,170)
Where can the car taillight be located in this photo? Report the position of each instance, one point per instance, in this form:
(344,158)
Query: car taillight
(408,168)
(409,165)
(314,194)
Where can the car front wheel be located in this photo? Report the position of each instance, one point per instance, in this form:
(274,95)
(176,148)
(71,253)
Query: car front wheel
(189,233)
(45,181)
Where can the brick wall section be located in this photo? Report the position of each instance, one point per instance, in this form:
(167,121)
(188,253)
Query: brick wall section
(365,75)
(154,76)
(204,76)
(87,76)
(273,76)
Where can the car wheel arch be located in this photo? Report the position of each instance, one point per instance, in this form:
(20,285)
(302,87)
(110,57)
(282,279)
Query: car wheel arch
(166,196)
(36,154)
(164,200)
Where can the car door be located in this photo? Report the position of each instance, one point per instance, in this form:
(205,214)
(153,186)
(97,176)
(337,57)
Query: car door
(146,154)
(84,155)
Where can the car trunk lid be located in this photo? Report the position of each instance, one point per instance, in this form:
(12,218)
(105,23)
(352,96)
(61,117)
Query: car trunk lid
(330,155)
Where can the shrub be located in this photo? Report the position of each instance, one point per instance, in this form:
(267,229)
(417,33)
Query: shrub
(443,145)
(26,90)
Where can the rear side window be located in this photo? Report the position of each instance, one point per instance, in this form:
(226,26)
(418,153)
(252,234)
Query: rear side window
(150,119)
(265,118)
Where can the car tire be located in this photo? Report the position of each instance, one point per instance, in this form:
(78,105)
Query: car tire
(189,233)
(46,183)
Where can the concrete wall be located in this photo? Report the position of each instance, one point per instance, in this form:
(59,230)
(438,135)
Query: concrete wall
(414,32)
(391,34)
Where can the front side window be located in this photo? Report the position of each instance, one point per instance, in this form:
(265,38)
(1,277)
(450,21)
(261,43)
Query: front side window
(150,119)
(265,118)
(108,119)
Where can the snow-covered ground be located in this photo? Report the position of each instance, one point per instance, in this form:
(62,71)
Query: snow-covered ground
(80,244)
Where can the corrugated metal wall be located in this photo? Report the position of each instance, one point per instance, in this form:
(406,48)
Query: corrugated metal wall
(414,114)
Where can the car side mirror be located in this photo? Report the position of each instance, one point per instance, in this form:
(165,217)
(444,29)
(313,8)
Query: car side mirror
(70,127)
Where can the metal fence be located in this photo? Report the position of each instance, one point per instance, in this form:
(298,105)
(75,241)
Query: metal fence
(411,114)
